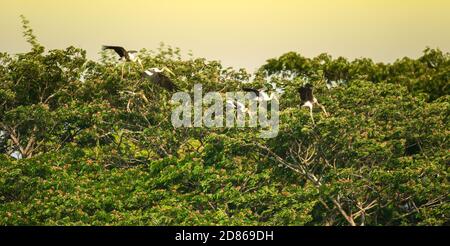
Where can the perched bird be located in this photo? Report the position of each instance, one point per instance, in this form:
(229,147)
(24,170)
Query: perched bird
(259,95)
(3,141)
(157,76)
(16,155)
(278,90)
(333,83)
(330,85)
(308,100)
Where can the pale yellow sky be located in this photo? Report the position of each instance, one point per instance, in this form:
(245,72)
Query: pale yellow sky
(240,33)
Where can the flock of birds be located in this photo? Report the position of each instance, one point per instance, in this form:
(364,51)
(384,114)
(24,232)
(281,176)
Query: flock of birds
(157,76)
(154,74)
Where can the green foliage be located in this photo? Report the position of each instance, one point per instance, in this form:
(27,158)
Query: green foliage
(429,74)
(30,37)
(98,147)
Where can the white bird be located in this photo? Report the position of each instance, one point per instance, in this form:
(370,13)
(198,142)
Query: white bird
(278,90)
(332,84)
(259,95)
(16,155)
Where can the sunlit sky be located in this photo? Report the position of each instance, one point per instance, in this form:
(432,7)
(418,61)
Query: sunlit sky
(240,33)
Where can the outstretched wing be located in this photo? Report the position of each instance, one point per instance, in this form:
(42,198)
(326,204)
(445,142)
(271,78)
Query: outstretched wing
(162,80)
(166,82)
(121,51)
(251,90)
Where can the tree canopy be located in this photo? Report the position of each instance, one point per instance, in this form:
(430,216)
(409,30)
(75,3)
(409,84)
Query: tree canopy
(83,144)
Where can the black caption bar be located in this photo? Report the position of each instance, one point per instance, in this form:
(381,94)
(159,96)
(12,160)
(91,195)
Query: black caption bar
(206,235)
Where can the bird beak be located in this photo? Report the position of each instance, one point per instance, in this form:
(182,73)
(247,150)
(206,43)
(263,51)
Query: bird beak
(169,71)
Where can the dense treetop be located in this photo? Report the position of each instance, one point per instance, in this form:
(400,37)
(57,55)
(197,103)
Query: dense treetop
(97,145)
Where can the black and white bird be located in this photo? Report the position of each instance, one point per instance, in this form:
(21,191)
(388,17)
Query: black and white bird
(333,83)
(259,95)
(125,55)
(158,77)
(308,100)
(3,141)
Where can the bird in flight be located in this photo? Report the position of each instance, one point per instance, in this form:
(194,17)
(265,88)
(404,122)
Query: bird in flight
(125,55)
(158,77)
(308,100)
(259,95)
